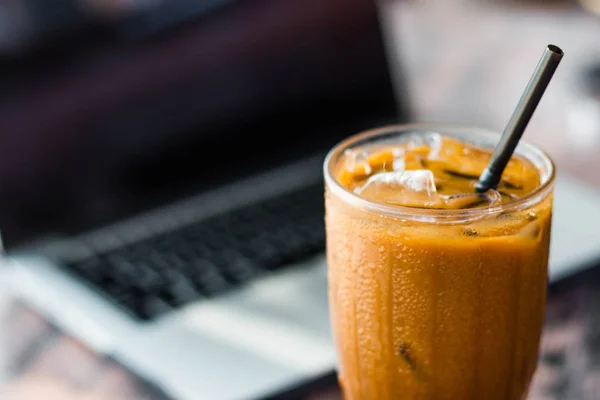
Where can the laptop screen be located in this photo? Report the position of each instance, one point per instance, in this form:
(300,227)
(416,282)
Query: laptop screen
(125,110)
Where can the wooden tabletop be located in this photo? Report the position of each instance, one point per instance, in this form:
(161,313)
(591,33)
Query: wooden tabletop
(465,64)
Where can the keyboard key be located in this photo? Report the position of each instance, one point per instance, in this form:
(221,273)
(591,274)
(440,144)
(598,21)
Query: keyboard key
(207,278)
(153,306)
(92,269)
(148,280)
(182,292)
(208,257)
(236,267)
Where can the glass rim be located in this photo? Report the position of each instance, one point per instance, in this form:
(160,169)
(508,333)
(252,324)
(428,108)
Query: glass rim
(429,214)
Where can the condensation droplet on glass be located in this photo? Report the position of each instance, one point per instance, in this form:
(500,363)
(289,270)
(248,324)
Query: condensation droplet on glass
(531,216)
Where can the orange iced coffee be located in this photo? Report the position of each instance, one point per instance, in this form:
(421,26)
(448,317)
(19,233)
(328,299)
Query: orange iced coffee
(436,292)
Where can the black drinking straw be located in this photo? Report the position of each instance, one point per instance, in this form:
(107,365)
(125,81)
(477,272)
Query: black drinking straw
(490,178)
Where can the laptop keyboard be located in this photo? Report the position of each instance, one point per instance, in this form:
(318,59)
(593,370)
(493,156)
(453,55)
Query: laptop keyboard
(207,258)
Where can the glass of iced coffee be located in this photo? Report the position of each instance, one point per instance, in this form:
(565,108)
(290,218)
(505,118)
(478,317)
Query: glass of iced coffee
(436,291)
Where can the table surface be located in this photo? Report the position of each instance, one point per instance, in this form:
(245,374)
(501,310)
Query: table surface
(465,63)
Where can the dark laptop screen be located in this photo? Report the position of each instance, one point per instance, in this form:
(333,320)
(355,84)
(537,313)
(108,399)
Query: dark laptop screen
(130,109)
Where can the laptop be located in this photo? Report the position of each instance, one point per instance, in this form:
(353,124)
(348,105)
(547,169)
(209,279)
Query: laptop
(163,198)
(166,203)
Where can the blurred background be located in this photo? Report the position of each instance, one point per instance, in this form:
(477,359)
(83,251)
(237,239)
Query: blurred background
(103,103)
(468,60)
(100,100)
(92,88)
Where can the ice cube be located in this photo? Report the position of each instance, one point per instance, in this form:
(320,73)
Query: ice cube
(414,141)
(434,141)
(417,147)
(414,188)
(494,197)
(532,230)
(382,158)
(356,161)
(419,180)
(461,201)
(470,200)
(506,197)
(399,164)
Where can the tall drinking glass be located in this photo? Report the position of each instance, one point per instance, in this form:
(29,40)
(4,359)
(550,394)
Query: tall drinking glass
(445,300)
